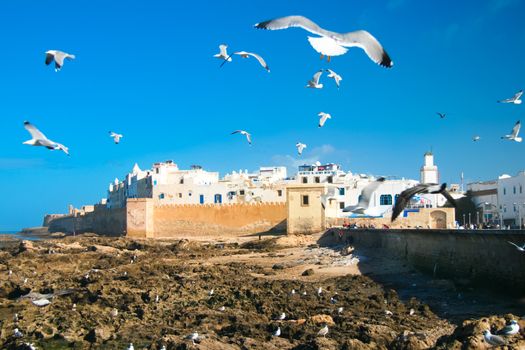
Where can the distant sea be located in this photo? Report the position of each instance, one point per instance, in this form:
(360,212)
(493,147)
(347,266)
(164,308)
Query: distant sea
(20,235)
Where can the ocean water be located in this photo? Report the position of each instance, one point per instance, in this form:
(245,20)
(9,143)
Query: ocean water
(20,235)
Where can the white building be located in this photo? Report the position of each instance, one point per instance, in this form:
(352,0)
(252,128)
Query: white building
(429,173)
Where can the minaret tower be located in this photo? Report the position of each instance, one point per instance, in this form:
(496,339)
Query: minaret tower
(429,172)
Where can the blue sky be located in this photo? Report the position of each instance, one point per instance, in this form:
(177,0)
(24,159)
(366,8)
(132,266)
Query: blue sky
(145,69)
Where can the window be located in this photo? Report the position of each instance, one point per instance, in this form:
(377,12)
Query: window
(217,199)
(504,191)
(180,195)
(241,192)
(305,200)
(161,196)
(330,179)
(181,181)
(385,199)
(279,193)
(154,182)
(317,179)
(341,205)
(305,180)
(201,199)
(514,189)
(521,189)
(342,191)
(396,197)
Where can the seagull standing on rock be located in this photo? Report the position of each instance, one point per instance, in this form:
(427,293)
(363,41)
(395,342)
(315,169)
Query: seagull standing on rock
(282,316)
(323,331)
(332,43)
(17,333)
(130,347)
(323,117)
(277,333)
(494,340)
(510,329)
(58,57)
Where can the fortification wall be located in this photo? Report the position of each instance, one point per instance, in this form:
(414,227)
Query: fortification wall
(477,257)
(214,219)
(101,221)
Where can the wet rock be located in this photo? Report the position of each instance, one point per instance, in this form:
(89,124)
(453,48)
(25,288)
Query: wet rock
(308,272)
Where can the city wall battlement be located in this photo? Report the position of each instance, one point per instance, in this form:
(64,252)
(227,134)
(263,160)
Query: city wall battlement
(478,257)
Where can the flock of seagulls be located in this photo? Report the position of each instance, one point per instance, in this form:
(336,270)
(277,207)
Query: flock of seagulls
(498,339)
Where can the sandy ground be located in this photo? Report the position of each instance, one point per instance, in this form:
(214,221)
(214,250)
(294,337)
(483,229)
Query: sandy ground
(110,292)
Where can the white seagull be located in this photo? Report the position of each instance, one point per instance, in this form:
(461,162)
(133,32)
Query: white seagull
(320,291)
(223,54)
(245,54)
(520,248)
(363,206)
(41,302)
(510,329)
(58,57)
(476,138)
(323,117)
(245,133)
(492,339)
(210,293)
(514,133)
(314,82)
(516,99)
(277,332)
(340,310)
(39,139)
(337,78)
(17,333)
(300,147)
(282,316)
(193,337)
(131,347)
(323,331)
(116,137)
(406,195)
(332,43)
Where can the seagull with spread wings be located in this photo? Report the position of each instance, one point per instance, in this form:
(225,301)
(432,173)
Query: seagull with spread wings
(300,147)
(406,195)
(363,206)
(330,43)
(116,137)
(58,57)
(516,99)
(314,82)
(337,78)
(520,248)
(262,62)
(39,139)
(223,54)
(323,117)
(513,136)
(441,115)
(245,133)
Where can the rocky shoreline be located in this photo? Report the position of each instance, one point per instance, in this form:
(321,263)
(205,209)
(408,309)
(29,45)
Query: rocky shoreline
(156,293)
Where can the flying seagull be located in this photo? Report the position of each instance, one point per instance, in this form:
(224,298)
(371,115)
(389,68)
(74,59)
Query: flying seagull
(116,137)
(514,133)
(520,248)
(314,82)
(493,340)
(39,139)
(323,117)
(516,99)
(245,54)
(337,78)
(300,147)
(441,115)
(364,202)
(331,43)
(223,54)
(407,194)
(245,133)
(476,138)
(58,57)
(510,329)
